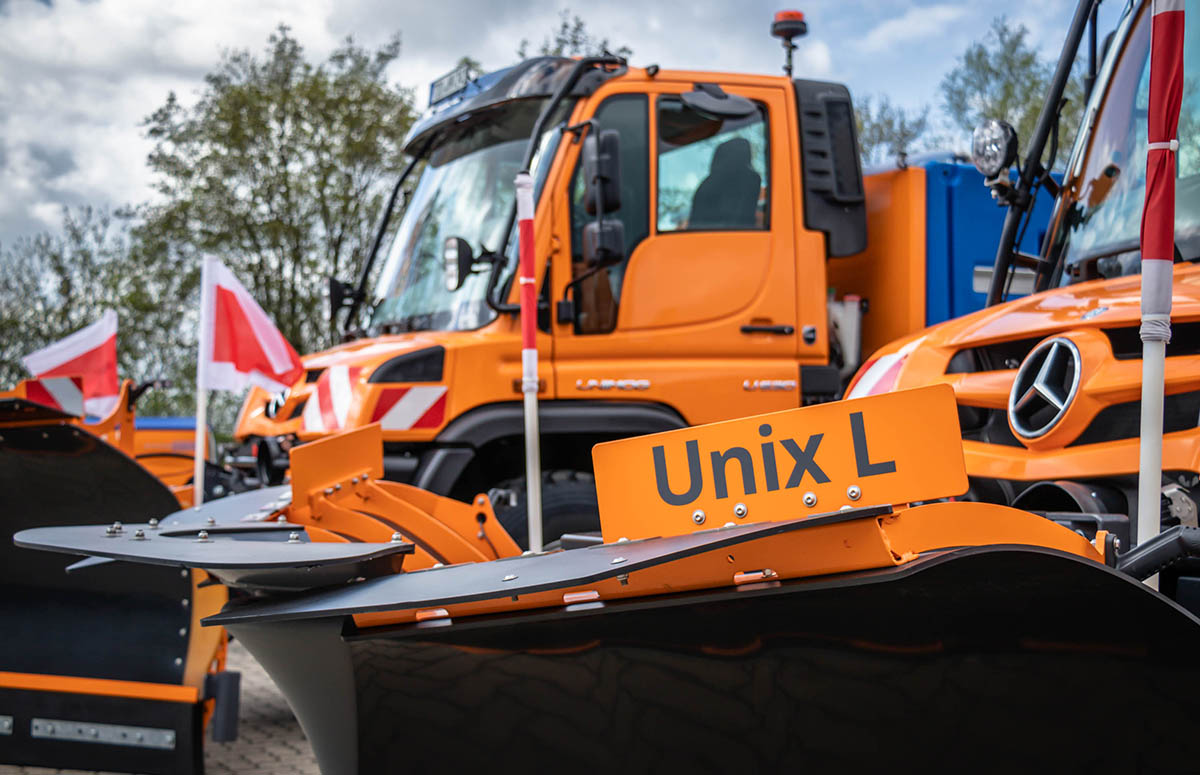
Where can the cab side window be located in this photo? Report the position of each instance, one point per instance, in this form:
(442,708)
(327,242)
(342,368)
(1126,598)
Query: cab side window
(712,172)
(598,296)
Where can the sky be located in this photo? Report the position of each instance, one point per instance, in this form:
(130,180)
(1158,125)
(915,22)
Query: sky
(77,77)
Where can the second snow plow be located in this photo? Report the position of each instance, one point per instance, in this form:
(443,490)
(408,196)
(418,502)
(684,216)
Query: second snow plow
(789,590)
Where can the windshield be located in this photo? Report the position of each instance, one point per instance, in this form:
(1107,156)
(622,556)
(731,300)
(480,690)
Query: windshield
(466,190)
(1103,204)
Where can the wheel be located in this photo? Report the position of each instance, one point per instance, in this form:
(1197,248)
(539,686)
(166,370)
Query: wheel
(568,506)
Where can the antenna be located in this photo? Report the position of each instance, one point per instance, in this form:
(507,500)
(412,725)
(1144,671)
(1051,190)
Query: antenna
(788,25)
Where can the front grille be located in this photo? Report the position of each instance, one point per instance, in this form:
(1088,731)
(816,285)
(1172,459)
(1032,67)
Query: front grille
(989,426)
(1127,342)
(1181,412)
(997,356)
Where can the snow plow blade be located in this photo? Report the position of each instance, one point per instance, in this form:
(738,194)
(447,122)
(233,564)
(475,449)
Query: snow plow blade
(103,667)
(780,637)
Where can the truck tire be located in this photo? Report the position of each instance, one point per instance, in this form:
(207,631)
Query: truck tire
(568,506)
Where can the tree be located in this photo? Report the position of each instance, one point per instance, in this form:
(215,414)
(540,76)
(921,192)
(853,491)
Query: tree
(1003,77)
(55,284)
(887,131)
(571,38)
(281,170)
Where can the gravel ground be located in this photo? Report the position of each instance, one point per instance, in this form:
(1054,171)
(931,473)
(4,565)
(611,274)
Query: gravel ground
(269,739)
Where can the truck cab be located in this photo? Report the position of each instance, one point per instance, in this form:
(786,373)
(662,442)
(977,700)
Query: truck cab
(684,271)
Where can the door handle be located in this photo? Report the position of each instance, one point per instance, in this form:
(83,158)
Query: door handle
(785,330)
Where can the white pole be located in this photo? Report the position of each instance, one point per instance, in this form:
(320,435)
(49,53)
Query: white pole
(203,354)
(1150,446)
(529,360)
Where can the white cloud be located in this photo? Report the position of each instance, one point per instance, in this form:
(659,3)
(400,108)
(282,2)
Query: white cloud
(80,75)
(916,24)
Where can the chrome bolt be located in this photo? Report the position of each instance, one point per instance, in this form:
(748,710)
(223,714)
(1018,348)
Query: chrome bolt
(210,521)
(364,477)
(93,732)
(337,486)
(281,518)
(184,602)
(110,532)
(439,565)
(153,523)
(617,561)
(329,491)
(183,573)
(810,499)
(139,535)
(354,480)
(853,492)
(623,578)
(293,538)
(1116,543)
(183,632)
(397,538)
(202,536)
(622,540)
(698,516)
(729,524)
(482,499)
(178,661)
(509,577)
(739,510)
(117,527)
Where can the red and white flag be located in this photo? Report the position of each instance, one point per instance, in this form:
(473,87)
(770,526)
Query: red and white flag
(239,345)
(89,353)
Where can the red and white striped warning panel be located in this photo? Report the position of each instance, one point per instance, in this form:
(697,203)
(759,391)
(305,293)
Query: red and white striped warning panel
(62,393)
(329,405)
(401,409)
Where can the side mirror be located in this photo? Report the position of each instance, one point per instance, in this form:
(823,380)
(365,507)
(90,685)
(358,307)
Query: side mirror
(603,243)
(602,171)
(340,295)
(457,260)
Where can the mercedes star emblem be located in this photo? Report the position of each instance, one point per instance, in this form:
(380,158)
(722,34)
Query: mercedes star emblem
(1045,386)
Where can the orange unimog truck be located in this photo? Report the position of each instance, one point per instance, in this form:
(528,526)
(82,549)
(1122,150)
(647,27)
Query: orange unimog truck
(692,285)
(1048,387)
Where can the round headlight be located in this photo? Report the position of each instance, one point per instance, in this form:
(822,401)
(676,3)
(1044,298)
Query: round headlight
(993,147)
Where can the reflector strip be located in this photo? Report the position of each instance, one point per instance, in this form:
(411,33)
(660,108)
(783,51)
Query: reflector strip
(422,406)
(64,393)
(329,409)
(109,734)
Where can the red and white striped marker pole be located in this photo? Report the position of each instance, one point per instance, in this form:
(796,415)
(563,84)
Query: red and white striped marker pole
(529,360)
(1158,249)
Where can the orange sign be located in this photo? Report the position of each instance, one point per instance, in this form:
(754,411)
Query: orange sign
(888,449)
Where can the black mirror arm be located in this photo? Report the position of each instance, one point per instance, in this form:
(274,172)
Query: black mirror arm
(1033,171)
(581,66)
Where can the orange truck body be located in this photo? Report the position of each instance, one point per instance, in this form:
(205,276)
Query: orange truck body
(1080,459)
(679,351)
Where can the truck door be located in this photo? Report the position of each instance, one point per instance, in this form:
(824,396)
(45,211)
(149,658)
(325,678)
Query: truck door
(701,314)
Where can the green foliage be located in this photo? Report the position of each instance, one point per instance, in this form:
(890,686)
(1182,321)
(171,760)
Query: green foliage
(572,38)
(1003,77)
(55,284)
(281,170)
(887,131)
